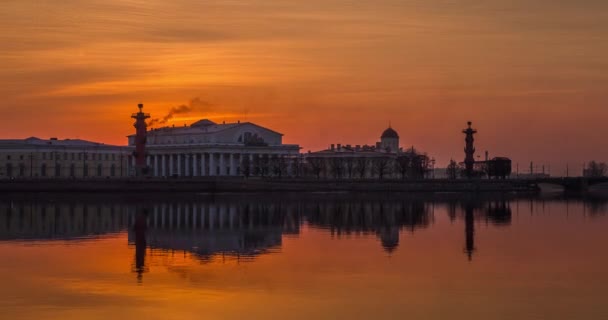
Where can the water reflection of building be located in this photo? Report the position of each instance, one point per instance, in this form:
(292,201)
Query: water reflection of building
(384,218)
(203,229)
(61,221)
(207,229)
(244,228)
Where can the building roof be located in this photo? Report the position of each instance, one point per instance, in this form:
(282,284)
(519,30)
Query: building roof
(35,141)
(390,133)
(203,123)
(204,126)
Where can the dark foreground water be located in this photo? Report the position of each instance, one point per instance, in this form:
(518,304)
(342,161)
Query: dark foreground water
(303,257)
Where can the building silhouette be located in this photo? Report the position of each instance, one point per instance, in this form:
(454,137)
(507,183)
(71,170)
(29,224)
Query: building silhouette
(205,148)
(61,159)
(385,159)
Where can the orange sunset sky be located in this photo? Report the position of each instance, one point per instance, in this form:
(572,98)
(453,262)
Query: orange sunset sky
(531,75)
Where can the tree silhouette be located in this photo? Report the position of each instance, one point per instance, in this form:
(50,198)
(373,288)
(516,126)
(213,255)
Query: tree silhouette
(595,169)
(246,166)
(336,166)
(361,165)
(381,166)
(317,165)
(452,170)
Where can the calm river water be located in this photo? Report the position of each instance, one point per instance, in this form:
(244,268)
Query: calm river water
(303,257)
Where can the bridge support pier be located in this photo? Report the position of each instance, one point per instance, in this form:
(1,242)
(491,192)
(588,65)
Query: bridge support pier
(576,186)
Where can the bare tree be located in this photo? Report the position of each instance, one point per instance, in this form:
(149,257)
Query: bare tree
(296,166)
(361,165)
(381,166)
(349,163)
(260,165)
(452,170)
(420,166)
(246,166)
(264,165)
(595,169)
(278,165)
(317,166)
(256,165)
(403,165)
(336,166)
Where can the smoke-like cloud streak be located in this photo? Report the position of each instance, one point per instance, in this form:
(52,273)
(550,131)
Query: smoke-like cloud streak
(195,105)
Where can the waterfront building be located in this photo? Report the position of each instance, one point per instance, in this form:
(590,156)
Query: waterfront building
(385,159)
(54,158)
(206,148)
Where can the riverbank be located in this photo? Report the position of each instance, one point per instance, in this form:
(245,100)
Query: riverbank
(219,185)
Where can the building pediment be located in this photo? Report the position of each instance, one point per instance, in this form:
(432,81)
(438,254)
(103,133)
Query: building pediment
(208,132)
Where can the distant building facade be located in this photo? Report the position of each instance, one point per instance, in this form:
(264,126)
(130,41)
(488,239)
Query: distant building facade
(68,158)
(206,148)
(385,159)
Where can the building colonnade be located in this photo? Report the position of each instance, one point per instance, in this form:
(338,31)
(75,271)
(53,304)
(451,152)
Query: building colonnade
(209,164)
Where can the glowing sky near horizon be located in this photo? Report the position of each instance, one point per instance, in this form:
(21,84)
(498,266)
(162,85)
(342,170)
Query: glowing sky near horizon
(531,75)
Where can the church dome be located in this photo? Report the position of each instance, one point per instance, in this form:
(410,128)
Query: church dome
(390,133)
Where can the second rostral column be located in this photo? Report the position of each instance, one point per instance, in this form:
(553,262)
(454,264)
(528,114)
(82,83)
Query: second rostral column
(469,150)
(141,132)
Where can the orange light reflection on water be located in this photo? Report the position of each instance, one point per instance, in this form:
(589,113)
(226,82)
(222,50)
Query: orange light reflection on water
(545,264)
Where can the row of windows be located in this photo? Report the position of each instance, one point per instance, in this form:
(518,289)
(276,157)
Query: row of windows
(72,156)
(44,170)
(176,141)
(184,140)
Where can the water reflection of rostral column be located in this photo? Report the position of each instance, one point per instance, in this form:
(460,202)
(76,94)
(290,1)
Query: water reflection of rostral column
(140,227)
(469,150)
(469,230)
(140,140)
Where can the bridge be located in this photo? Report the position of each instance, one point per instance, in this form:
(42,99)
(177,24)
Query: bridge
(572,184)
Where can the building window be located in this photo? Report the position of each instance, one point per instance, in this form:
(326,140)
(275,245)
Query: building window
(73,156)
(113,170)
(113,156)
(9,170)
(21,157)
(43,170)
(57,170)
(99,170)
(107,157)
(22,170)
(65,156)
(8,157)
(85,170)
(44,156)
(80,156)
(72,170)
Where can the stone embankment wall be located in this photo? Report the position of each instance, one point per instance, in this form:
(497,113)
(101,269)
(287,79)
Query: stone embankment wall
(263,185)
